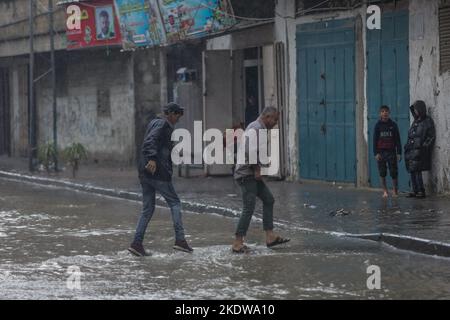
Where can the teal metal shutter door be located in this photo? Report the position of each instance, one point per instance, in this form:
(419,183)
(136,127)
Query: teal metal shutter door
(326,100)
(388,82)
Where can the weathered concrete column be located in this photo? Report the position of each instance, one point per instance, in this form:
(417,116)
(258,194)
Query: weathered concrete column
(362,161)
(163,75)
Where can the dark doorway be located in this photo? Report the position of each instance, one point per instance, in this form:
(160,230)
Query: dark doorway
(252,96)
(5,138)
(253,84)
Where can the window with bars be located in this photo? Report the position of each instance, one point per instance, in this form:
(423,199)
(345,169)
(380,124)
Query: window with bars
(444,38)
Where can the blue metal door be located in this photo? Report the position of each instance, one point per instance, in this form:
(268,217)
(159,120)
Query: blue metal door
(326,100)
(388,82)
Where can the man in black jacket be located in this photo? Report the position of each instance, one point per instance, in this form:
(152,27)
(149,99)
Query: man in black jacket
(387,149)
(418,149)
(155,174)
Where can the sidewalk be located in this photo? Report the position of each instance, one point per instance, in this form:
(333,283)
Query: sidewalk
(410,224)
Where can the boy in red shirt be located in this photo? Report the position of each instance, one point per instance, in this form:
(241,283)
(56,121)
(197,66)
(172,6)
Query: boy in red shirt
(387,149)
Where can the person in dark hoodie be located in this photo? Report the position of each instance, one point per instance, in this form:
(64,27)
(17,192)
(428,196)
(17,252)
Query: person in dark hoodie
(418,148)
(155,174)
(387,149)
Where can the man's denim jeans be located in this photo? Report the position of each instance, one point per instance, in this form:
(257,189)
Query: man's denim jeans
(165,188)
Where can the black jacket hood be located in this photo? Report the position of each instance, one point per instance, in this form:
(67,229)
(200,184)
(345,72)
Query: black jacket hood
(421,107)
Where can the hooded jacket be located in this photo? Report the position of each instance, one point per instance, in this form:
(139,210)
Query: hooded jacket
(157,146)
(421,138)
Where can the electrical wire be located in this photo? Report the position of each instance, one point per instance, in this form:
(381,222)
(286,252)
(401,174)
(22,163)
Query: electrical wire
(302,12)
(230,14)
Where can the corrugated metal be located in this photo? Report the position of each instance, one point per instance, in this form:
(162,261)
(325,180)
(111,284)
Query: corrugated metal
(444,38)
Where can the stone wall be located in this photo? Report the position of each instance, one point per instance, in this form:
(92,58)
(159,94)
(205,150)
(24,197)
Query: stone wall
(95,103)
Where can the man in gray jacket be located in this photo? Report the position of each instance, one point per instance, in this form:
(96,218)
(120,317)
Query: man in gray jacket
(155,174)
(248,176)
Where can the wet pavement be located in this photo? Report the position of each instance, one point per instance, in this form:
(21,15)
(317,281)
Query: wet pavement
(307,206)
(315,206)
(45,230)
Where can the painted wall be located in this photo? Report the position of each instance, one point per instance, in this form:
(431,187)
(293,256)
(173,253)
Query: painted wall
(426,83)
(110,137)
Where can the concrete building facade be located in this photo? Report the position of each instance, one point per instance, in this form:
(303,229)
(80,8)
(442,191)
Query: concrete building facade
(104,95)
(396,65)
(319,63)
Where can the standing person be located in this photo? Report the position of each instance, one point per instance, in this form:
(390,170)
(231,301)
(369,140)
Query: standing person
(248,176)
(418,149)
(155,174)
(387,149)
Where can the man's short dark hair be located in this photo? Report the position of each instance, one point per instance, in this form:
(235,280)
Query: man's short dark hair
(104,13)
(173,107)
(269,111)
(385,108)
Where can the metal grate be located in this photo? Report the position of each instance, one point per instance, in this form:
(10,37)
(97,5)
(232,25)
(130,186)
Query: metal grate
(444,38)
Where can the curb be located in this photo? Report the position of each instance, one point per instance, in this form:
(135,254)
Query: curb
(121,194)
(419,245)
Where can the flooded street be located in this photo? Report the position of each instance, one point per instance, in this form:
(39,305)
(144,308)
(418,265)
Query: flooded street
(44,231)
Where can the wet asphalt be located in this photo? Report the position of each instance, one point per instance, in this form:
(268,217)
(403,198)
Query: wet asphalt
(44,231)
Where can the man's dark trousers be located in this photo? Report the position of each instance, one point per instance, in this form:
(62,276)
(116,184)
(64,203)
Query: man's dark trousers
(417,182)
(252,188)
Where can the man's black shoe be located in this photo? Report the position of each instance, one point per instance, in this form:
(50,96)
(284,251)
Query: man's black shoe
(138,250)
(182,245)
(421,195)
(411,195)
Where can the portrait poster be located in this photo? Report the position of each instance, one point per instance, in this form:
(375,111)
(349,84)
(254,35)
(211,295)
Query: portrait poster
(91,15)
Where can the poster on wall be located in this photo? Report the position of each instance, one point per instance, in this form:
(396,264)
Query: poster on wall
(95,24)
(187,19)
(139,23)
(143,23)
(104,21)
